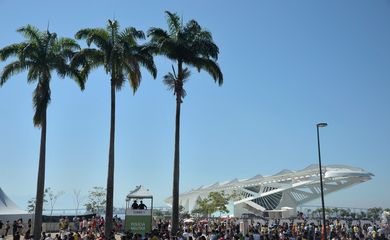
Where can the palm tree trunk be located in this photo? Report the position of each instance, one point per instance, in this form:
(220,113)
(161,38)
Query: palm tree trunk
(110,177)
(176,170)
(41,182)
(176,161)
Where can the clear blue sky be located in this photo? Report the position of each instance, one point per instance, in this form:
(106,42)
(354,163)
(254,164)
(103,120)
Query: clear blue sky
(287,65)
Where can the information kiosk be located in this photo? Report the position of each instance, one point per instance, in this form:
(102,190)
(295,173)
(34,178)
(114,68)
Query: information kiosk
(139,206)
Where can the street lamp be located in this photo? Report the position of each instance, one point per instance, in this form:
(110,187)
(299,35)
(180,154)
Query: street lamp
(320,125)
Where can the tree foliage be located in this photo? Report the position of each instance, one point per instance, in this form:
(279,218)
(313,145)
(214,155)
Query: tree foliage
(374,212)
(215,201)
(53,197)
(96,200)
(41,54)
(76,199)
(47,194)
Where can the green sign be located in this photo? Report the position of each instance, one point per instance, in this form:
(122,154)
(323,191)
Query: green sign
(138,221)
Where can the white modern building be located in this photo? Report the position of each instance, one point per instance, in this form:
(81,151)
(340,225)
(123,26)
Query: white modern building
(279,193)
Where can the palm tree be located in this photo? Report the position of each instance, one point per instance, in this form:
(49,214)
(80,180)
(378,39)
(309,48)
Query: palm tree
(121,56)
(41,54)
(185,45)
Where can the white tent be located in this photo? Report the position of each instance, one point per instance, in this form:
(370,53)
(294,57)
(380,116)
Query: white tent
(7,206)
(9,210)
(139,192)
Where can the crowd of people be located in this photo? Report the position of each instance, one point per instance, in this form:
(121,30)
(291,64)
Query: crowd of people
(17,229)
(67,229)
(207,229)
(260,229)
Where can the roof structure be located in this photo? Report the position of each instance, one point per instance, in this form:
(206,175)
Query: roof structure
(285,189)
(139,192)
(7,206)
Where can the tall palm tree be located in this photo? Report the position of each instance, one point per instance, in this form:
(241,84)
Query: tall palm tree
(40,54)
(121,56)
(185,45)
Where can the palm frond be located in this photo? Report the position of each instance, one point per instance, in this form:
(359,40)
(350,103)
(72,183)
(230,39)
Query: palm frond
(119,80)
(209,66)
(157,35)
(203,45)
(32,34)
(33,74)
(174,24)
(31,51)
(175,84)
(59,64)
(11,50)
(193,27)
(145,58)
(97,36)
(41,99)
(87,58)
(12,69)
(131,34)
(169,81)
(68,44)
(186,74)
(133,75)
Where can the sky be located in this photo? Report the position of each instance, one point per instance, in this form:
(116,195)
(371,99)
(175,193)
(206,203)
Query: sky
(287,65)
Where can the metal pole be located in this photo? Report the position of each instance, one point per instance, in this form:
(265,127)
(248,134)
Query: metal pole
(322,187)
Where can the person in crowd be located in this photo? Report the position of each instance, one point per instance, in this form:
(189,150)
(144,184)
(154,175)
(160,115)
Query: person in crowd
(14,228)
(134,205)
(142,205)
(7,227)
(48,237)
(17,236)
(27,234)
(57,237)
(43,236)
(76,223)
(20,226)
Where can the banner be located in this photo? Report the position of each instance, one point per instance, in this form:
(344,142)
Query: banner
(138,221)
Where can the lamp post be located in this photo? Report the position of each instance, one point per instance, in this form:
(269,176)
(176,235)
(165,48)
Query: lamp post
(320,125)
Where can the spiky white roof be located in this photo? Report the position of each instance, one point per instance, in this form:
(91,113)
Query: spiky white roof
(7,206)
(285,188)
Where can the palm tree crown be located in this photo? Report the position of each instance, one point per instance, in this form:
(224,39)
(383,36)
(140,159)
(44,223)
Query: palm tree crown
(40,54)
(118,52)
(189,44)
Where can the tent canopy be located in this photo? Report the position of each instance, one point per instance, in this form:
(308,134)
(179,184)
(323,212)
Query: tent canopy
(7,206)
(139,192)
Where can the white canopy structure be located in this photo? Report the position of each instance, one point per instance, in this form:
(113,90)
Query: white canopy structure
(9,210)
(284,189)
(139,192)
(7,206)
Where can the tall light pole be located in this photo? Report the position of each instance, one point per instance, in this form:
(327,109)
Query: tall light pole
(320,125)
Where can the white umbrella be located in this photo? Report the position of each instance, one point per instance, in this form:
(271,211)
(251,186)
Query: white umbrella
(189,220)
